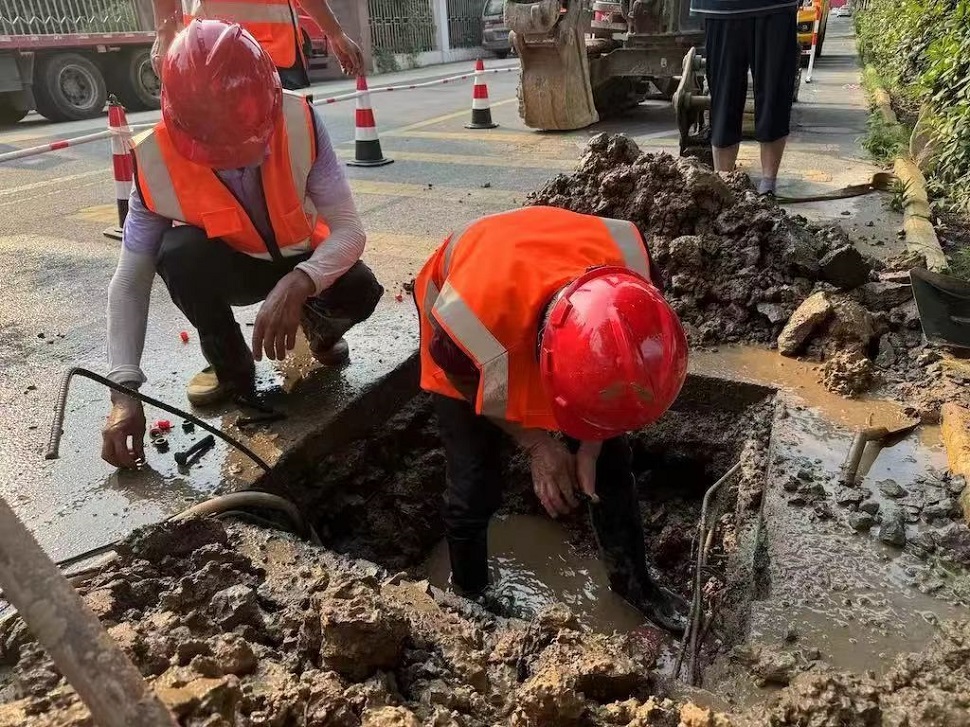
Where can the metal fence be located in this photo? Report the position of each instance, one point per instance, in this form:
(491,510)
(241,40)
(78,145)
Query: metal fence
(465,23)
(401,26)
(62,17)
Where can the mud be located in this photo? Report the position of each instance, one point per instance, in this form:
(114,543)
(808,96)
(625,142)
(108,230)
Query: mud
(737,268)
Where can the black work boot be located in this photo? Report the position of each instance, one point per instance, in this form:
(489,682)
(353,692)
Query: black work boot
(469,565)
(325,334)
(231,370)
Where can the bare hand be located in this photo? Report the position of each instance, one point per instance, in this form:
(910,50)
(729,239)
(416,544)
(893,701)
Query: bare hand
(163,39)
(554,476)
(586,458)
(348,54)
(126,421)
(279,316)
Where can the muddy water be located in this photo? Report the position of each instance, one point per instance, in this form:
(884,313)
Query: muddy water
(532,564)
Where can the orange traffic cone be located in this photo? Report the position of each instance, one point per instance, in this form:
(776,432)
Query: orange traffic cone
(481,110)
(367,147)
(121,161)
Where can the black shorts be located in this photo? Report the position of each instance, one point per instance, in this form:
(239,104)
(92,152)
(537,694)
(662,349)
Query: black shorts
(768,45)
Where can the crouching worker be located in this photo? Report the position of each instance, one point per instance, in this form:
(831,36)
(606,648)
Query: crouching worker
(266,215)
(538,321)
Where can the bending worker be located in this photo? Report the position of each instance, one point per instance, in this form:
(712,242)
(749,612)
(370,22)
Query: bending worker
(538,321)
(267,215)
(271,22)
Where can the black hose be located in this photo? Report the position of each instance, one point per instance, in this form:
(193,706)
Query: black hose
(57,426)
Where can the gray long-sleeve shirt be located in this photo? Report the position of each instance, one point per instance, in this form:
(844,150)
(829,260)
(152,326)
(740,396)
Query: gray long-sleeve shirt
(130,289)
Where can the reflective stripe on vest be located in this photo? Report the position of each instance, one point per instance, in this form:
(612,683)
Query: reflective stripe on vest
(162,197)
(272,23)
(473,336)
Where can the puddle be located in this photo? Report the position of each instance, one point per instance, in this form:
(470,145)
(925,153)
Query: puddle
(531,562)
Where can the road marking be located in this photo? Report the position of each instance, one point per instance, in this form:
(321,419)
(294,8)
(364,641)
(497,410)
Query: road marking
(498,197)
(445,117)
(473,160)
(50,182)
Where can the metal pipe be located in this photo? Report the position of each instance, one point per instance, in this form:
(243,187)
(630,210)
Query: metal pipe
(91,661)
(850,467)
(57,425)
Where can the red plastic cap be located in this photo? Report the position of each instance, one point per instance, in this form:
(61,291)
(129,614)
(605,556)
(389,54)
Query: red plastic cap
(221,95)
(184,335)
(163,424)
(613,354)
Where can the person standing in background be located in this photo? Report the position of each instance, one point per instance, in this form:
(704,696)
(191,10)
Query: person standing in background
(760,35)
(274,25)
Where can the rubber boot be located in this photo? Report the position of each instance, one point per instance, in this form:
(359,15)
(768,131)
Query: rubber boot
(231,369)
(469,564)
(619,534)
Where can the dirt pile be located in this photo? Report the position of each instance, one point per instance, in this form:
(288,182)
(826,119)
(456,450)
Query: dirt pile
(251,628)
(737,268)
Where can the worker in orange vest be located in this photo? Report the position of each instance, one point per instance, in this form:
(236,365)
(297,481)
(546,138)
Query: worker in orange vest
(538,321)
(272,22)
(238,198)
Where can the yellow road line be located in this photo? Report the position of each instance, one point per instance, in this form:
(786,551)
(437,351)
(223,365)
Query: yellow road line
(474,160)
(445,117)
(497,197)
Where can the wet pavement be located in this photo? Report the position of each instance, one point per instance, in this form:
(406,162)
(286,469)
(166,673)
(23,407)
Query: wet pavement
(56,266)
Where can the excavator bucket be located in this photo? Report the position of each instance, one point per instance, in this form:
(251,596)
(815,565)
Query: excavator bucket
(549,37)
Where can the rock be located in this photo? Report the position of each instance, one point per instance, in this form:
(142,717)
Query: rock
(687,251)
(234,654)
(953,543)
(848,373)
(548,698)
(846,497)
(845,267)
(891,488)
(956,485)
(886,357)
(802,250)
(206,696)
(869,506)
(811,315)
(693,716)
(773,312)
(234,606)
(884,295)
(360,634)
(805,474)
(850,328)
(861,521)
(893,528)
(389,717)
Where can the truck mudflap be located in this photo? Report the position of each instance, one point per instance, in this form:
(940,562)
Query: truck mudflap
(554,86)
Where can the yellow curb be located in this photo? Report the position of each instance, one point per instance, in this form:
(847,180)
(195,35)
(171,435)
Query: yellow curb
(955,429)
(881,100)
(920,235)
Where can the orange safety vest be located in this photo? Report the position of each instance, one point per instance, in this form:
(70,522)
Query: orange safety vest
(272,23)
(488,285)
(174,187)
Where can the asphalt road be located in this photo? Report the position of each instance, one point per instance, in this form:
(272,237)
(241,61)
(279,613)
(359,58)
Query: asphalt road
(55,266)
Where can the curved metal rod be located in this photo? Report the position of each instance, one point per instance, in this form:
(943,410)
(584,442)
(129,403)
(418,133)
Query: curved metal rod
(57,425)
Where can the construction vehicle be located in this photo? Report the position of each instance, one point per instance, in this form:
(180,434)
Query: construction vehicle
(65,57)
(583,59)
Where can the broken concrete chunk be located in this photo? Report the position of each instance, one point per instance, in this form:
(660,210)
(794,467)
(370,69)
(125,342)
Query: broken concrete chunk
(773,312)
(869,506)
(893,527)
(953,542)
(389,717)
(884,295)
(940,510)
(861,521)
(846,497)
(887,351)
(234,606)
(811,315)
(891,488)
(845,267)
(234,654)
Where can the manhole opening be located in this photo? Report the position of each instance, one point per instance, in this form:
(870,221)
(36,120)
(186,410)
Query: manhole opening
(378,497)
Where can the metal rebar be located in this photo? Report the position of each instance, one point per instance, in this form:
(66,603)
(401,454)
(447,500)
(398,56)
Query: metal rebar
(57,425)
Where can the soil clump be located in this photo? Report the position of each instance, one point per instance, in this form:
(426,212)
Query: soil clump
(738,269)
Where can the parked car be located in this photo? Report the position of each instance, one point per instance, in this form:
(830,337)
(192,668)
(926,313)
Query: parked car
(806,23)
(495,34)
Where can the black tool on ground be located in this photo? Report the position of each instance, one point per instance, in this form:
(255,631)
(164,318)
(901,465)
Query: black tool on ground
(188,426)
(188,457)
(943,303)
(266,418)
(880,182)
(251,402)
(60,409)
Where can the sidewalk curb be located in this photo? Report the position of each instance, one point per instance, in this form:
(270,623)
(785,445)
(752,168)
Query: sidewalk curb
(955,430)
(920,236)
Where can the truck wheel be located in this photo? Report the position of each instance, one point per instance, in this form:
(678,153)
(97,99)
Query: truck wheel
(69,87)
(501,54)
(9,113)
(135,83)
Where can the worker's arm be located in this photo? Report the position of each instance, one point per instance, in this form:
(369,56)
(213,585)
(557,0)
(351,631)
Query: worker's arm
(168,20)
(276,324)
(128,298)
(347,51)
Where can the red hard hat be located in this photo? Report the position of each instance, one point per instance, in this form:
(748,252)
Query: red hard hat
(221,95)
(613,354)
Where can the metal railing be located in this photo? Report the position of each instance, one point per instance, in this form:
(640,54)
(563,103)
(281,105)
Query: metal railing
(65,17)
(401,26)
(465,23)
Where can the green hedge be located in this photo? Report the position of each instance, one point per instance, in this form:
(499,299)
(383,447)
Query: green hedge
(921,49)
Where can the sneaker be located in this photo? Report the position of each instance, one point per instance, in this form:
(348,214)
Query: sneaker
(205,389)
